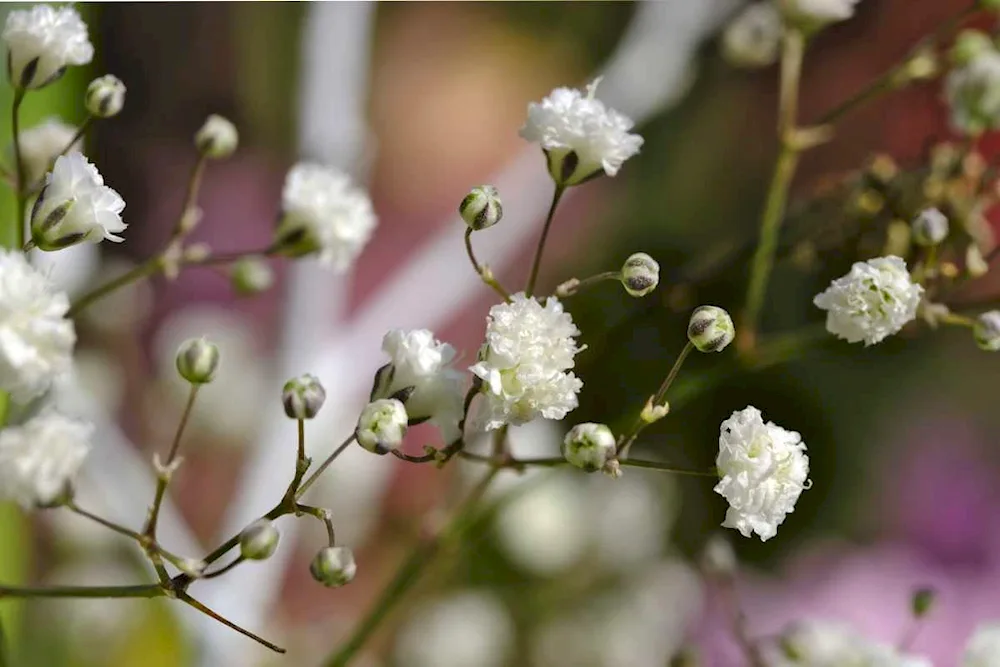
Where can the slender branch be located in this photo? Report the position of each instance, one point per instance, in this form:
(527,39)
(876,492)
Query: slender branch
(138,591)
(302,444)
(147,268)
(225,568)
(78,135)
(626,439)
(143,540)
(484,272)
(21,197)
(537,262)
(166,473)
(323,466)
(556,461)
(187,599)
(575,285)
(321,514)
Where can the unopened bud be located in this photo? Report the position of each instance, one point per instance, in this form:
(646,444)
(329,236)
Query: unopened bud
(251,275)
(930,227)
(217,138)
(259,540)
(968,46)
(333,566)
(589,446)
(653,413)
(382,425)
(640,274)
(987,331)
(711,329)
(482,207)
(303,397)
(197,360)
(975,263)
(753,38)
(105,96)
(922,601)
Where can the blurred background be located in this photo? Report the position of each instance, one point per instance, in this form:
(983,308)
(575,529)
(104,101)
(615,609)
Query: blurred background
(422,101)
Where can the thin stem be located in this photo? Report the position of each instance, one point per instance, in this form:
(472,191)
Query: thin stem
(226,568)
(575,286)
(82,130)
(190,198)
(228,258)
(187,599)
(484,272)
(793,50)
(657,399)
(323,466)
(20,188)
(321,514)
(555,461)
(656,465)
(110,525)
(138,591)
(147,268)
(409,573)
(537,262)
(164,475)
(302,444)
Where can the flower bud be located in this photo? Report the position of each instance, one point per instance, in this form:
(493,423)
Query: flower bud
(105,96)
(303,397)
(197,360)
(589,446)
(930,227)
(968,46)
(217,138)
(333,566)
(987,331)
(753,38)
(259,540)
(711,329)
(482,207)
(251,275)
(653,413)
(640,274)
(382,425)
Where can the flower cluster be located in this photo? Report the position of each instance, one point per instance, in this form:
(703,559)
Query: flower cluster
(42,41)
(525,364)
(39,458)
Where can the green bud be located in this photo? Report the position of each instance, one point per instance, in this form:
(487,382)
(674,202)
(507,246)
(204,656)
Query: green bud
(197,360)
(251,275)
(482,207)
(259,540)
(640,274)
(303,397)
(711,329)
(333,566)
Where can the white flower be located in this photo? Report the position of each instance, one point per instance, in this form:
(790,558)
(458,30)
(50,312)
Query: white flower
(40,457)
(826,644)
(753,38)
(983,649)
(973,93)
(876,299)
(420,361)
(764,469)
(324,213)
(42,41)
(75,207)
(36,339)
(42,144)
(525,362)
(382,425)
(812,14)
(579,135)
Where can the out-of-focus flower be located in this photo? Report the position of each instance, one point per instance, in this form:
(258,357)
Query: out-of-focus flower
(42,144)
(323,213)
(987,331)
(973,93)
(764,469)
(875,300)
(580,136)
(251,275)
(983,649)
(589,446)
(824,644)
(814,14)
(463,629)
(969,45)
(382,425)
(39,458)
(525,362)
(482,207)
(42,42)
(36,338)
(930,227)
(105,96)
(217,138)
(75,207)
(418,360)
(753,38)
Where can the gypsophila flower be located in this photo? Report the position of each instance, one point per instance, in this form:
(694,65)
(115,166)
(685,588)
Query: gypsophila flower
(75,207)
(973,94)
(420,361)
(524,364)
(40,457)
(983,649)
(42,41)
(814,14)
(382,425)
(986,331)
(580,136)
(824,644)
(36,338)
(876,299)
(753,38)
(324,213)
(42,144)
(763,470)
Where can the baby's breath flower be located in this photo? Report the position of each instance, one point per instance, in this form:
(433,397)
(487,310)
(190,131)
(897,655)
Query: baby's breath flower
(589,446)
(75,207)
(973,93)
(42,42)
(580,136)
(421,362)
(333,566)
(217,138)
(324,213)
(876,299)
(814,14)
(42,144)
(382,425)
(525,362)
(983,649)
(36,338)
(39,458)
(763,470)
(753,38)
(105,96)
(987,331)
(825,644)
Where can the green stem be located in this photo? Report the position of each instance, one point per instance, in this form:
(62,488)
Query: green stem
(82,130)
(574,286)
(321,514)
(409,574)
(484,273)
(537,262)
(147,268)
(323,466)
(187,599)
(21,187)
(226,568)
(627,438)
(166,473)
(139,591)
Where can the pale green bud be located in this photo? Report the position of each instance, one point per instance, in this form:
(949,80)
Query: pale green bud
(987,331)
(640,274)
(303,397)
(382,425)
(711,329)
(589,446)
(333,566)
(259,540)
(482,207)
(251,275)
(217,138)
(105,96)
(197,360)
